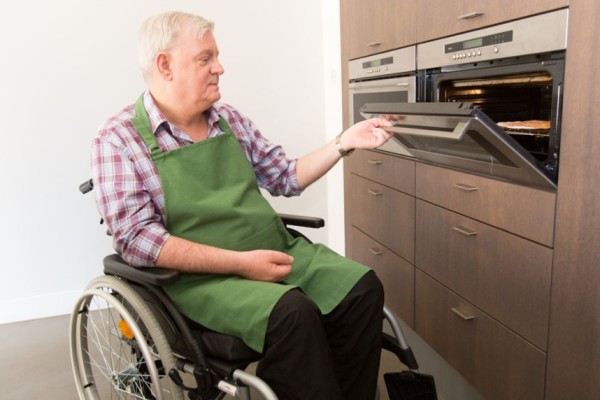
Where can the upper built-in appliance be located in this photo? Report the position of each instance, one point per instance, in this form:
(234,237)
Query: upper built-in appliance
(382,78)
(505,87)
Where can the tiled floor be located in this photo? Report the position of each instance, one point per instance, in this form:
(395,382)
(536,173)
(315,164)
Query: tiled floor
(35,361)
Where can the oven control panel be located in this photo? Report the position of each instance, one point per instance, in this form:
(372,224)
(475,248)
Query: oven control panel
(512,39)
(395,62)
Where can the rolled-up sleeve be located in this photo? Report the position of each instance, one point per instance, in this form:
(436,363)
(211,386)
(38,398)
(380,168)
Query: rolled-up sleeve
(125,202)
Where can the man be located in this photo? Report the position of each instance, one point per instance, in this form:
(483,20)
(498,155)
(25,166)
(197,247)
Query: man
(177,177)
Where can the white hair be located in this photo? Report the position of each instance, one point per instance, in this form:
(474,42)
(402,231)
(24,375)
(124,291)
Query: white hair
(157,34)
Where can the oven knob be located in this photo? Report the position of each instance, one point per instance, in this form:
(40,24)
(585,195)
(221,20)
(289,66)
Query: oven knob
(496,49)
(478,52)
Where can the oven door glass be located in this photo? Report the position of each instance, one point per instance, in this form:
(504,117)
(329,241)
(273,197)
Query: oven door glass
(459,136)
(389,90)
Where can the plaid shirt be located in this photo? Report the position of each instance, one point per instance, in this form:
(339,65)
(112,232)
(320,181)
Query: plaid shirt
(128,188)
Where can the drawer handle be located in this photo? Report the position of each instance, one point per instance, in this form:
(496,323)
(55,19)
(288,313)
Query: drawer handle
(464,231)
(465,188)
(470,15)
(463,314)
(375,192)
(373,44)
(375,162)
(375,251)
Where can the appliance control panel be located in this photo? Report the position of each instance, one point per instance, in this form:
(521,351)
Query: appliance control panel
(512,39)
(394,62)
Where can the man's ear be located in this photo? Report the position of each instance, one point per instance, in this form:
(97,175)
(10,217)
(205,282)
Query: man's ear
(163,66)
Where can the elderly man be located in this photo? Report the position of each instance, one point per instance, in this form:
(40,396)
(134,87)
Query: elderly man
(178,176)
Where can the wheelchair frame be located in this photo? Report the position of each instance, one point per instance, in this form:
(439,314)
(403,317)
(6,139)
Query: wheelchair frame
(128,340)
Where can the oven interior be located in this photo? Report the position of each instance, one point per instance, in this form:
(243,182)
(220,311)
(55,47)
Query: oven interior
(523,98)
(520,103)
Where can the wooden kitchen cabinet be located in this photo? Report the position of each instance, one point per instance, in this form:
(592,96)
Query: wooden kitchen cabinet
(380,223)
(506,276)
(379,25)
(396,274)
(494,202)
(440,18)
(383,213)
(494,359)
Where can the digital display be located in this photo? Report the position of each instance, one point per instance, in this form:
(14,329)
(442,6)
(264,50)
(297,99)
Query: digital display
(378,62)
(496,38)
(469,44)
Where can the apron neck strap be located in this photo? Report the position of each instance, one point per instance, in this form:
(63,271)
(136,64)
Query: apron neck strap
(142,125)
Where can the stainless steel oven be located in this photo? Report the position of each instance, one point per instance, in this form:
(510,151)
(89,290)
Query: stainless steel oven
(382,78)
(490,101)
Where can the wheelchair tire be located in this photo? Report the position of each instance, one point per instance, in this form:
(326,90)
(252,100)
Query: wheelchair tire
(109,360)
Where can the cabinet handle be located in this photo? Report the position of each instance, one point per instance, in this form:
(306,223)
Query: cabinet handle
(375,162)
(373,44)
(375,192)
(465,188)
(375,251)
(464,231)
(463,314)
(470,15)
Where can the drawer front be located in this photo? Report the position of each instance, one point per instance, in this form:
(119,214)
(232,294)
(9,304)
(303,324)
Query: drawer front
(499,363)
(523,211)
(397,275)
(391,171)
(506,276)
(384,214)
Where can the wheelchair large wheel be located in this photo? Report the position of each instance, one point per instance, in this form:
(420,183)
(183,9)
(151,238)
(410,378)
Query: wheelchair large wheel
(118,349)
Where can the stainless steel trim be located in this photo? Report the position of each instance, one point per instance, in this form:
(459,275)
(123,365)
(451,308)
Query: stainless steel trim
(456,134)
(470,15)
(538,34)
(464,231)
(375,251)
(462,314)
(465,188)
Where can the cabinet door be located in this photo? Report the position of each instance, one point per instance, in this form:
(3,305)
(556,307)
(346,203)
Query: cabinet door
(498,362)
(506,276)
(395,172)
(396,275)
(439,18)
(523,211)
(384,214)
(379,25)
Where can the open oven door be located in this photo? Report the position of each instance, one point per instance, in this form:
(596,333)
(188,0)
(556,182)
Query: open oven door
(459,136)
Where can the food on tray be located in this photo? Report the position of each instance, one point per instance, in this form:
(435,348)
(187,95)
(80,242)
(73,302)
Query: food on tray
(533,124)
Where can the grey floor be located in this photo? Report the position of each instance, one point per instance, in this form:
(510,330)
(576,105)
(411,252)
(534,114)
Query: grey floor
(35,361)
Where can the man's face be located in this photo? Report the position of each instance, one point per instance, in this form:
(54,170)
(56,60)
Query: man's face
(196,70)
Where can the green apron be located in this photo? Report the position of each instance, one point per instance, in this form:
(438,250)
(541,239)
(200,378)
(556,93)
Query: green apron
(211,197)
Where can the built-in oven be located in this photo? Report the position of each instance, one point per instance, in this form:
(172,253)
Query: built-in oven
(388,77)
(490,101)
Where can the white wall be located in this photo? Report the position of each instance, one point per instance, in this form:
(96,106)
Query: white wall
(69,64)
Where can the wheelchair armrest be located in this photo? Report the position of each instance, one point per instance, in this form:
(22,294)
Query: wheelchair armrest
(114,265)
(298,220)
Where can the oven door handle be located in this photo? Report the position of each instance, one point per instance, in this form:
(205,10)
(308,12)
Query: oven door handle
(364,85)
(456,134)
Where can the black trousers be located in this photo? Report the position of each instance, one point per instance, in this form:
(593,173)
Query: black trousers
(310,356)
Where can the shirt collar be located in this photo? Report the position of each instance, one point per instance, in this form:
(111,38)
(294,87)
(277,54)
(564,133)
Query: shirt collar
(158,120)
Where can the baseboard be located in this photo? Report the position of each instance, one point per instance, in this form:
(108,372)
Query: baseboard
(39,306)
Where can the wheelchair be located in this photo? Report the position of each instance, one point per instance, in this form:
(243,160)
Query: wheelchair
(128,340)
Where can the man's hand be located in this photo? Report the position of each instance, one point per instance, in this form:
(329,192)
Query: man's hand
(366,134)
(265,265)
